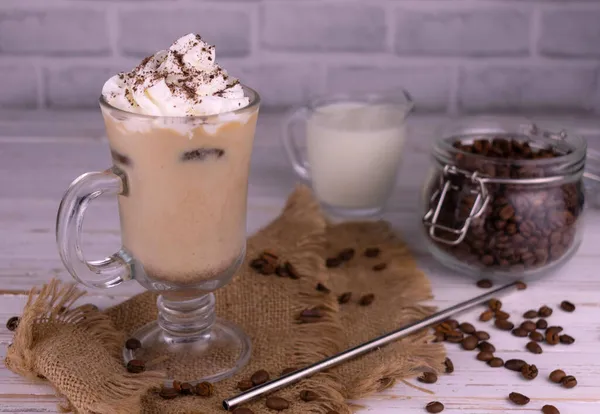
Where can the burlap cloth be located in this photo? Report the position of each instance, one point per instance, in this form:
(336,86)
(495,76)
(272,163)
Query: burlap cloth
(78,350)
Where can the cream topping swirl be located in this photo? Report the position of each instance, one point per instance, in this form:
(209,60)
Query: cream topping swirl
(184,80)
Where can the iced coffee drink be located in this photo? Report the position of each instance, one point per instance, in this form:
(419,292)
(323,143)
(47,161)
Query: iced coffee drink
(181,131)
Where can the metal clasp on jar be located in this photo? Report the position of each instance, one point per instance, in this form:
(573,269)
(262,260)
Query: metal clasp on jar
(437,199)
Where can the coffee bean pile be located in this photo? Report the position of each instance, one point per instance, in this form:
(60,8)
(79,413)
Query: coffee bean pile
(202,389)
(523,227)
(268,263)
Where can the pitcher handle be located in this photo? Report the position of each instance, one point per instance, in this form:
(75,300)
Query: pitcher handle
(299,165)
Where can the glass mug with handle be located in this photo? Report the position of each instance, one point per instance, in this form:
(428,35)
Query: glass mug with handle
(182,187)
(353,146)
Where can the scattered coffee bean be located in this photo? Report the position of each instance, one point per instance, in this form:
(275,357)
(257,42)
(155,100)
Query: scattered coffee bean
(485,356)
(536,336)
(454,337)
(521,285)
(495,305)
(244,385)
(379,267)
(518,399)
(566,339)
(168,393)
(453,323)
(260,377)
(501,315)
(552,336)
(470,343)
(288,371)
(177,385)
(567,306)
(544,311)
(346,254)
(486,316)
(366,300)
(534,347)
(486,347)
(13,323)
(530,314)
(186,388)
(434,407)
(529,326)
(467,328)
(270,256)
(554,329)
(345,297)
(550,409)
(308,396)
(541,324)
(428,378)
(311,315)
(482,335)
(135,366)
(569,381)
(520,332)
(133,344)
(449,366)
(515,364)
(204,389)
(372,252)
(504,325)
(242,410)
(529,372)
(496,362)
(277,403)
(485,283)
(322,288)
(291,271)
(557,376)
(333,262)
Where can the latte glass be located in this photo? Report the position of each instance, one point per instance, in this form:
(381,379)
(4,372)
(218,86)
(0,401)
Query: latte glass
(182,187)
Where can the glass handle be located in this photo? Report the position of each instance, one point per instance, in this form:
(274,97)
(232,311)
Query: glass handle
(112,270)
(300,165)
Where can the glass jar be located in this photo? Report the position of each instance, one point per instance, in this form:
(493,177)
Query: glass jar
(505,199)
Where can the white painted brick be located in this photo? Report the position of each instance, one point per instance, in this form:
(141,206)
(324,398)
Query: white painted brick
(347,27)
(19,86)
(141,35)
(570,33)
(428,86)
(486,32)
(54,32)
(504,88)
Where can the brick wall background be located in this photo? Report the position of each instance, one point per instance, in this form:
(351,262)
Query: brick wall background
(456,56)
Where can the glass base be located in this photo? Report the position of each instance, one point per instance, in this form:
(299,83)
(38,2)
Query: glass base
(215,354)
(341,213)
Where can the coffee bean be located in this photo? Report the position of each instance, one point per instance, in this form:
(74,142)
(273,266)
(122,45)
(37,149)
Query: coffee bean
(486,316)
(428,378)
(544,311)
(311,315)
(186,388)
(515,364)
(496,362)
(536,336)
(504,325)
(288,371)
(521,285)
(467,328)
(291,271)
(244,385)
(372,252)
(552,335)
(550,409)
(308,396)
(518,399)
(366,300)
(449,366)
(557,376)
(260,377)
(434,407)
(501,315)
(177,385)
(485,356)
(269,256)
(12,323)
(482,335)
(242,410)
(567,306)
(204,389)
(453,323)
(346,254)
(529,372)
(569,381)
(277,403)
(554,329)
(529,326)
(345,297)
(486,347)
(534,347)
(566,339)
(470,343)
(541,324)
(530,314)
(168,393)
(454,337)
(520,332)
(379,267)
(333,262)
(495,305)
(136,366)
(133,344)
(322,288)
(485,283)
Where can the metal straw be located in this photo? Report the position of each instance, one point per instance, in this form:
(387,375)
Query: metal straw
(281,382)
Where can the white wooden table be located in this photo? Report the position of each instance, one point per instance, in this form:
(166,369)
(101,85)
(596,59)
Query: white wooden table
(40,155)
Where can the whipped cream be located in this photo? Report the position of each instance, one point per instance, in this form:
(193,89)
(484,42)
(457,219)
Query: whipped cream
(184,80)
